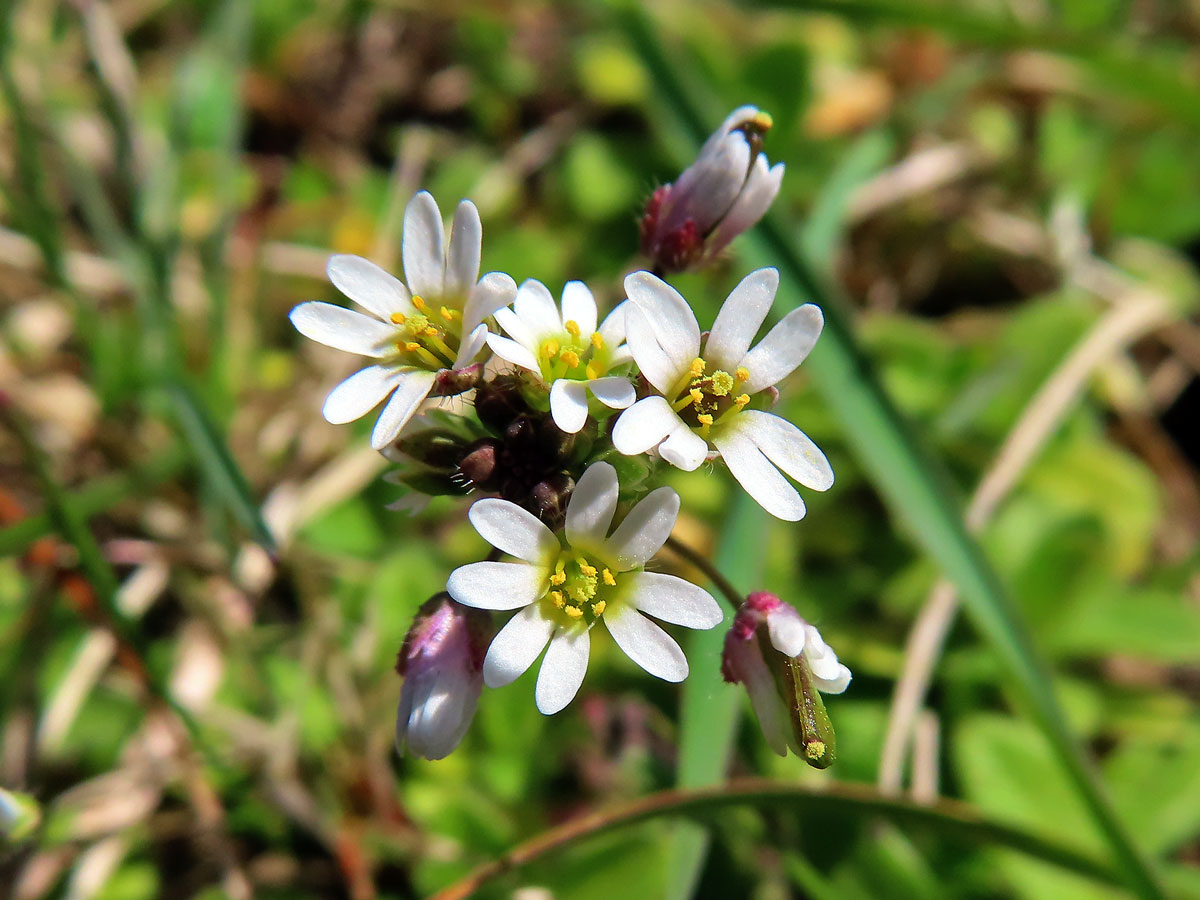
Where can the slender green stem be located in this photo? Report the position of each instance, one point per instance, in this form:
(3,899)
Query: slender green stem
(705,565)
(955,819)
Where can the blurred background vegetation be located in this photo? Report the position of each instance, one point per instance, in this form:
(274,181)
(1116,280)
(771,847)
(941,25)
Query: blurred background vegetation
(202,595)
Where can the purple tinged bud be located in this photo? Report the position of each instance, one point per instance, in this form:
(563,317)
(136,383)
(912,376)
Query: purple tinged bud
(441,662)
(450,382)
(784,664)
(725,191)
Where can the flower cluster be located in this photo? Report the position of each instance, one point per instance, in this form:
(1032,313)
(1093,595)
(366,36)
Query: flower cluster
(558,420)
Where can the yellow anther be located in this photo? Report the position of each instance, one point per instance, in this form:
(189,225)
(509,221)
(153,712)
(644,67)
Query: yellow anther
(593,371)
(741,401)
(704,419)
(572,327)
(762,121)
(573,611)
(550,349)
(398,318)
(450,315)
(418,303)
(697,367)
(557,597)
(585,567)
(412,346)
(597,340)
(697,395)
(570,357)
(609,578)
(742,374)
(429,331)
(598,606)
(558,578)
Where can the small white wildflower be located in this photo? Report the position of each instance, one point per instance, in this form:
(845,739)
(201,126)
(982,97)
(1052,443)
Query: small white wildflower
(433,326)
(564,589)
(566,349)
(704,391)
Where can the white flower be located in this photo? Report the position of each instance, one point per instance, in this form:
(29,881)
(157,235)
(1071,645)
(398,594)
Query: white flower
(563,590)
(411,336)
(441,662)
(704,392)
(767,635)
(727,189)
(566,349)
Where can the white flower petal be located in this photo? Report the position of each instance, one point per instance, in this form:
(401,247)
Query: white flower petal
(470,347)
(674,324)
(835,685)
(613,391)
(498,585)
(612,329)
(788,631)
(494,291)
(684,449)
(646,644)
(369,286)
(674,600)
(592,504)
(752,204)
(344,329)
(784,348)
(515,531)
(707,189)
(411,390)
(562,670)
(757,476)
(537,309)
(517,330)
(579,306)
(787,447)
(462,256)
(644,530)
(740,317)
(644,425)
(569,405)
(423,247)
(652,360)
(830,676)
(443,706)
(512,352)
(359,394)
(517,645)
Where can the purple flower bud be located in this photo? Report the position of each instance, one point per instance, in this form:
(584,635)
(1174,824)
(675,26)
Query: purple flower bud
(784,664)
(441,662)
(727,189)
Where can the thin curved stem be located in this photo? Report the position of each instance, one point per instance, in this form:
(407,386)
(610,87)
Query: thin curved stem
(697,559)
(956,819)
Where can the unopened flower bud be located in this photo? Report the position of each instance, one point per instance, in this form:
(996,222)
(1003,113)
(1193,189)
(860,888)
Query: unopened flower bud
(478,466)
(784,664)
(441,662)
(726,190)
(500,400)
(548,499)
(450,382)
(438,448)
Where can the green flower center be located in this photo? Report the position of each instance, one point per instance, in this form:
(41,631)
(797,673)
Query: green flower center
(703,398)
(579,591)
(573,355)
(428,339)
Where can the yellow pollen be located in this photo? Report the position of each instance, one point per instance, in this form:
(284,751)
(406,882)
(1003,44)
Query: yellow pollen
(815,750)
(598,607)
(550,349)
(558,578)
(763,122)
(741,401)
(572,328)
(398,318)
(697,367)
(429,331)
(697,395)
(742,374)
(609,579)
(722,383)
(573,611)
(704,419)
(418,303)
(412,346)
(597,340)
(570,357)
(592,371)
(557,597)
(449,314)
(585,568)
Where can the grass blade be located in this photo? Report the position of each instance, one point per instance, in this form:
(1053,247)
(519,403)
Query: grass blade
(906,476)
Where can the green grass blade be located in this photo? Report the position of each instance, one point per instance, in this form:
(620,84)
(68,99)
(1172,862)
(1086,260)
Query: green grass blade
(906,476)
(710,708)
